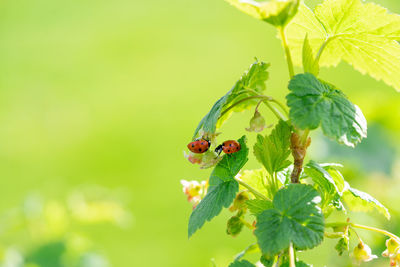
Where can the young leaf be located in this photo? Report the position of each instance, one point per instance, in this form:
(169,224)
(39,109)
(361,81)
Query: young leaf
(362,34)
(217,197)
(230,164)
(275,12)
(257,179)
(273,150)
(357,200)
(294,217)
(257,206)
(251,82)
(342,245)
(253,248)
(327,187)
(242,263)
(222,190)
(313,102)
(309,63)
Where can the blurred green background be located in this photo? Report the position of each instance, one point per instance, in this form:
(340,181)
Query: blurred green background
(98,100)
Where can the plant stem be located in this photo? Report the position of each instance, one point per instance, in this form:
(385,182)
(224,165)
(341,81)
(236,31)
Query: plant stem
(247,224)
(369,228)
(276,112)
(243,100)
(252,189)
(322,47)
(291,256)
(299,142)
(287,51)
(283,107)
(264,99)
(381,231)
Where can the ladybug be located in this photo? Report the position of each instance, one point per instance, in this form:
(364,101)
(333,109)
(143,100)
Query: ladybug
(199,146)
(229,147)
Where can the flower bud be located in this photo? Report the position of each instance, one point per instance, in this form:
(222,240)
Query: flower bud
(257,123)
(239,202)
(194,191)
(234,226)
(392,247)
(362,252)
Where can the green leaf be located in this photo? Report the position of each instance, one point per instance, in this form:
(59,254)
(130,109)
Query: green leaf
(257,206)
(242,263)
(362,34)
(253,248)
(273,150)
(230,164)
(257,179)
(336,176)
(309,63)
(217,197)
(313,102)
(222,190)
(342,245)
(326,185)
(357,200)
(275,12)
(252,82)
(294,217)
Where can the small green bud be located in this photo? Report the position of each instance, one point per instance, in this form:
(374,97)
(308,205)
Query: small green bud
(267,261)
(234,226)
(257,123)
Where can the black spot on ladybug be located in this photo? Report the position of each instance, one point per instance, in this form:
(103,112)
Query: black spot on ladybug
(199,149)
(223,144)
(229,150)
(202,143)
(230,145)
(192,145)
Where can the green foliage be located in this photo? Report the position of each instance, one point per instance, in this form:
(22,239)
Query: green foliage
(275,12)
(222,190)
(217,197)
(273,150)
(291,201)
(257,206)
(310,65)
(48,255)
(326,185)
(257,179)
(253,248)
(313,103)
(357,200)
(230,164)
(342,245)
(242,263)
(251,83)
(364,35)
(294,217)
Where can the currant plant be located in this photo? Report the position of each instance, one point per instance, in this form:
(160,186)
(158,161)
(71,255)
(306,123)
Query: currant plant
(287,203)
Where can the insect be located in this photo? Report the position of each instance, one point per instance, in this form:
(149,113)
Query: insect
(199,146)
(229,147)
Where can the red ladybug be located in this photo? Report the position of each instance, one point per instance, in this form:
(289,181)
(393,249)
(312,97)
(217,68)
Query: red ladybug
(199,146)
(229,147)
